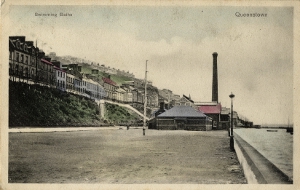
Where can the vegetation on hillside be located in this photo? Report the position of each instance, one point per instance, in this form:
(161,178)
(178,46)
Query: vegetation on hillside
(34,105)
(119,115)
(42,106)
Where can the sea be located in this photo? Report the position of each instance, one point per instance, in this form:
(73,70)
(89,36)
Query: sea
(277,147)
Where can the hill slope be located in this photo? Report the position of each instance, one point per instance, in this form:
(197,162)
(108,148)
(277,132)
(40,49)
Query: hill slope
(33,105)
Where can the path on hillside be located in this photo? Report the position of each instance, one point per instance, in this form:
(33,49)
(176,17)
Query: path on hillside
(127,106)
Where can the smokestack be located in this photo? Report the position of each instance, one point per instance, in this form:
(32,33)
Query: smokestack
(215,78)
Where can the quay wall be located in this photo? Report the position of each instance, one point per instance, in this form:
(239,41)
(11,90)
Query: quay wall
(257,168)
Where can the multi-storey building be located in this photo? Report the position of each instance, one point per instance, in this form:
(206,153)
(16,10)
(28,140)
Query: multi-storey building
(120,94)
(185,101)
(110,87)
(70,83)
(93,89)
(45,71)
(22,59)
(60,75)
(60,78)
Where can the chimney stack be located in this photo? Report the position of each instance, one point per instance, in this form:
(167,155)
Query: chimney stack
(215,78)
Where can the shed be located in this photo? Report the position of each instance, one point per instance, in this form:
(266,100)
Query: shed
(183,118)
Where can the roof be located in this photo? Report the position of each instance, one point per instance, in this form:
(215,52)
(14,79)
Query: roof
(210,109)
(45,61)
(57,68)
(182,111)
(188,98)
(109,81)
(206,103)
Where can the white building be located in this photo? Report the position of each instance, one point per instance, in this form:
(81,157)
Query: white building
(60,78)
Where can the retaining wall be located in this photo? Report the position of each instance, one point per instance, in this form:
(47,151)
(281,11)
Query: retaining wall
(257,168)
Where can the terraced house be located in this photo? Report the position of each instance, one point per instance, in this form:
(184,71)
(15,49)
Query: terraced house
(29,64)
(23,56)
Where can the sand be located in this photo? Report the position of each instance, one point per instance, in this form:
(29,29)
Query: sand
(123,157)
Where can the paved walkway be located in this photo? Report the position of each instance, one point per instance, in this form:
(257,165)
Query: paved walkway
(127,106)
(65,129)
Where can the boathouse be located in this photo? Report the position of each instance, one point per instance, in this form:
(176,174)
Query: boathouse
(182,118)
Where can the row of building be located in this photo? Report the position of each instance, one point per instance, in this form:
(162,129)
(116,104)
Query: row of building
(29,64)
(94,65)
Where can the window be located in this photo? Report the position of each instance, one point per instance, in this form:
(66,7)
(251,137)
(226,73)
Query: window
(17,57)
(26,72)
(22,58)
(32,73)
(17,69)
(21,71)
(26,59)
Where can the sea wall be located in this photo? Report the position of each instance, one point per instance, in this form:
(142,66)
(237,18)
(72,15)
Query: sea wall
(257,168)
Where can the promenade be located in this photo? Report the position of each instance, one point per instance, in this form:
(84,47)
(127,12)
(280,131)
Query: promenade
(115,155)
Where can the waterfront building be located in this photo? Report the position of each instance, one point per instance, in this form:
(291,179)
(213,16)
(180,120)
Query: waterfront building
(167,96)
(213,110)
(152,96)
(128,96)
(181,118)
(225,118)
(23,56)
(45,71)
(110,87)
(137,97)
(93,89)
(120,95)
(60,78)
(70,83)
(185,101)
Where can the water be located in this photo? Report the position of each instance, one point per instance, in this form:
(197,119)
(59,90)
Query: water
(277,147)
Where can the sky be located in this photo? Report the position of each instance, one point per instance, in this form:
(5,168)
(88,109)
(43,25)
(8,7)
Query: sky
(255,54)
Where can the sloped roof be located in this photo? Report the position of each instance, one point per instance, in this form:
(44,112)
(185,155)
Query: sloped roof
(109,81)
(210,109)
(182,111)
(47,62)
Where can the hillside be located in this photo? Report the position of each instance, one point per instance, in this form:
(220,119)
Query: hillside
(86,67)
(33,105)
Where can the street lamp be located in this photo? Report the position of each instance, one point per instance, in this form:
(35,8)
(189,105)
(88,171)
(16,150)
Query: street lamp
(231,96)
(145,101)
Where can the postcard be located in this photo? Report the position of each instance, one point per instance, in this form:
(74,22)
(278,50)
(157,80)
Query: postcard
(149,94)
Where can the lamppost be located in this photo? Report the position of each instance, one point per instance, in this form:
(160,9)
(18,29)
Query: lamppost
(145,100)
(231,96)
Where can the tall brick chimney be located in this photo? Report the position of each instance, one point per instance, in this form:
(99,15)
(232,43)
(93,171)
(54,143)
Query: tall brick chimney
(215,78)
